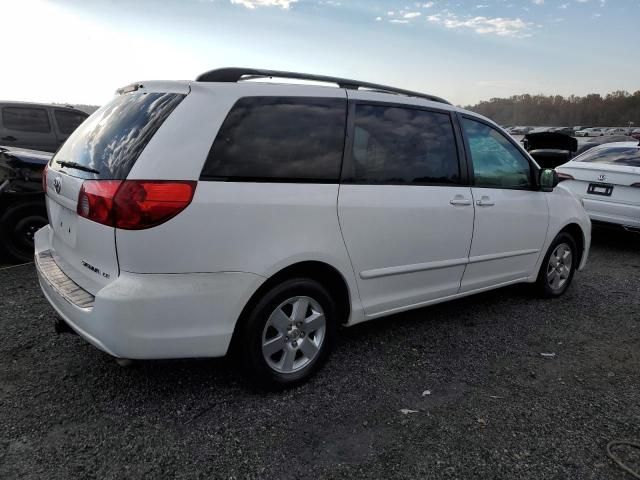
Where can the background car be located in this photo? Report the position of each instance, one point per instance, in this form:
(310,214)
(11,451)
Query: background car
(539,129)
(22,205)
(635,133)
(520,130)
(617,131)
(37,126)
(607,180)
(550,149)
(590,132)
(594,142)
(564,130)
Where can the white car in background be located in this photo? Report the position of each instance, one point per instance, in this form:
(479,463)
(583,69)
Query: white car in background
(590,132)
(607,180)
(191,218)
(617,131)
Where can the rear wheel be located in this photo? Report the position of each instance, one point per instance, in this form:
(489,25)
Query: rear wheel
(288,334)
(18,225)
(558,266)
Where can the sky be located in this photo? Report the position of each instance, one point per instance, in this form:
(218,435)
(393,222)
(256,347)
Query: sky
(81,51)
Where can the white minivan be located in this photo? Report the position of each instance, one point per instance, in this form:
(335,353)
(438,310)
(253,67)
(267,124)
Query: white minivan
(195,218)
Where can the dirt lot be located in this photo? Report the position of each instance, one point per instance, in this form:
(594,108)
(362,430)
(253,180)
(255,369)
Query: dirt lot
(496,408)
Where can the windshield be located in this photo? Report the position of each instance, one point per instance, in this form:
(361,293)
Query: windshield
(108,143)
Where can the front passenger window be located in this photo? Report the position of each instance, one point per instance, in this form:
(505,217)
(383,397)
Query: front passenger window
(496,161)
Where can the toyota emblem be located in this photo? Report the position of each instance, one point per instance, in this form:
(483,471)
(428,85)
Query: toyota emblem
(57,184)
(602,177)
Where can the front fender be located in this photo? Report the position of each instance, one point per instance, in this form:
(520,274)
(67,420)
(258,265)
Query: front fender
(564,210)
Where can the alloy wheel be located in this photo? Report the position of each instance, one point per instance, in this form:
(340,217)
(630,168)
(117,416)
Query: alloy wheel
(559,267)
(294,334)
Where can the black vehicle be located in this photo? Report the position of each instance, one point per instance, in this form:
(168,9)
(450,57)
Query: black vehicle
(37,126)
(550,149)
(22,205)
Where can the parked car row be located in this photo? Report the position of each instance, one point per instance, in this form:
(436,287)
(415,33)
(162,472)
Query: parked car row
(577,131)
(552,149)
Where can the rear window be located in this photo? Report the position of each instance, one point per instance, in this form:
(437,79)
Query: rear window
(68,121)
(24,119)
(111,139)
(279,139)
(625,156)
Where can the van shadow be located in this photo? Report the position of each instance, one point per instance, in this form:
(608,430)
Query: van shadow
(618,239)
(217,379)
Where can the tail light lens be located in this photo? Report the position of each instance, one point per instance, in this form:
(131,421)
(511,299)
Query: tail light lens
(133,204)
(145,204)
(564,176)
(95,200)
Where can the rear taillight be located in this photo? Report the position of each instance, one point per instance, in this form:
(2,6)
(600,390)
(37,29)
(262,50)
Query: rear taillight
(143,203)
(564,176)
(96,200)
(133,204)
(44,178)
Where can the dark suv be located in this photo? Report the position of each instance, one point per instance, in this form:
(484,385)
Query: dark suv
(37,126)
(22,207)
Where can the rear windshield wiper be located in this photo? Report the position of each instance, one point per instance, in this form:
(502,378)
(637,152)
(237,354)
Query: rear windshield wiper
(77,166)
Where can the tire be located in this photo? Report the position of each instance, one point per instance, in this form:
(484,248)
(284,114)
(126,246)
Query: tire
(555,276)
(279,345)
(18,224)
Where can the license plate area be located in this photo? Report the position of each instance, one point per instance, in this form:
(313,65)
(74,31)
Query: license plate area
(602,189)
(64,223)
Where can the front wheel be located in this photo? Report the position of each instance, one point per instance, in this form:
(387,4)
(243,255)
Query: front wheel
(288,334)
(558,266)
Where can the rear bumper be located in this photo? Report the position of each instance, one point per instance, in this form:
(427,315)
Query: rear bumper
(151,316)
(623,214)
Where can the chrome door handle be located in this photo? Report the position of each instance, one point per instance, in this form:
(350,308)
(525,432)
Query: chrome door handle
(460,201)
(485,203)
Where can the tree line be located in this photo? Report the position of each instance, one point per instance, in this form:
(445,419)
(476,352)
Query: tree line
(616,109)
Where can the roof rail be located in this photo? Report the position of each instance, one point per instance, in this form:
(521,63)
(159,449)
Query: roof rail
(232,75)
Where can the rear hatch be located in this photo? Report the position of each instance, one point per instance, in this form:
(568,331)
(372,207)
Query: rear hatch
(99,154)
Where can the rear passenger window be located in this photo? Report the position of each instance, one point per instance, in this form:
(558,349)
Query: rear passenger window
(26,119)
(279,139)
(402,146)
(68,121)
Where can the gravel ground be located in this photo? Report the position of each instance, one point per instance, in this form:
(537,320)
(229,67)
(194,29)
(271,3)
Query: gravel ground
(496,407)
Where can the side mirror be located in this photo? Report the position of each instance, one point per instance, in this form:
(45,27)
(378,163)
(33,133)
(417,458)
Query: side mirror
(548,180)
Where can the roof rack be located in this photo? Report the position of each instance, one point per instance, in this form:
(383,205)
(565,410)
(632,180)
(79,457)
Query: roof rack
(232,75)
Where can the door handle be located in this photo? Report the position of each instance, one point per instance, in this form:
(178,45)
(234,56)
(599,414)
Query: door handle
(9,138)
(460,200)
(485,202)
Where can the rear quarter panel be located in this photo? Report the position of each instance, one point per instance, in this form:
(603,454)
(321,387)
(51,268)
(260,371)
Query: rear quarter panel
(257,228)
